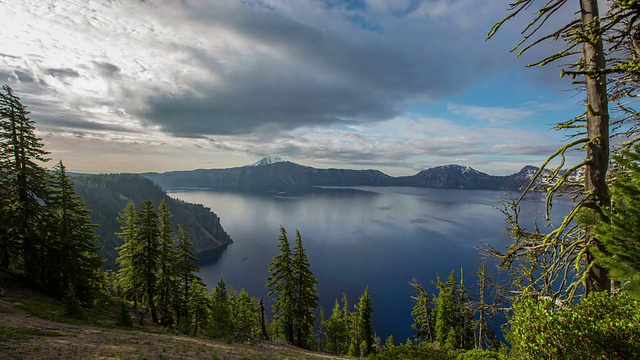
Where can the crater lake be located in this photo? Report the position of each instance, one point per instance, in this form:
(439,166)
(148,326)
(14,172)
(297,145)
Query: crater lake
(375,237)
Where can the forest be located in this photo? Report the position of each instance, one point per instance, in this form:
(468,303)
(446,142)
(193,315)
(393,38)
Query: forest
(573,287)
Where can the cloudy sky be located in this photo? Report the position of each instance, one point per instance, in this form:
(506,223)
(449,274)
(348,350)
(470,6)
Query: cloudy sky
(396,85)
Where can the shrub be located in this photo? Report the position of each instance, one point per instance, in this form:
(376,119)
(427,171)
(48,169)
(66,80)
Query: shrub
(601,326)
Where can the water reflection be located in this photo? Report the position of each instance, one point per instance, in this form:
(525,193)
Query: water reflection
(358,237)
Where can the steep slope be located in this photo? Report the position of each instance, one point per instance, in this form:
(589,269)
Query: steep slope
(107,194)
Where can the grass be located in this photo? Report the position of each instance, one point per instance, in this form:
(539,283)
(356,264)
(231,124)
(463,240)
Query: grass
(24,333)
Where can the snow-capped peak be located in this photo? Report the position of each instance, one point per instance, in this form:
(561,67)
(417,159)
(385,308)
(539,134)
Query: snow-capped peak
(267,161)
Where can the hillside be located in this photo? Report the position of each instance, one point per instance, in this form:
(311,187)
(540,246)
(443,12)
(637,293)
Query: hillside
(286,176)
(32,327)
(107,194)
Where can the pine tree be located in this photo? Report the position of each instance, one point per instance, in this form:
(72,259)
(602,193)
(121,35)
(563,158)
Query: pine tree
(168,260)
(621,235)
(129,271)
(24,186)
(184,271)
(198,304)
(365,326)
(244,319)
(321,333)
(147,255)
(281,282)
(306,295)
(337,331)
(220,310)
(70,249)
(447,311)
(423,315)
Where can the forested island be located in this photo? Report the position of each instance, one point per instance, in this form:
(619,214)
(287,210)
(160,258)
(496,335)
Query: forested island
(572,289)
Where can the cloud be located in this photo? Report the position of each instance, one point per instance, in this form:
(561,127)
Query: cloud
(493,114)
(327,80)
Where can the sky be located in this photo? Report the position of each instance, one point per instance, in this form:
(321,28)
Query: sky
(393,85)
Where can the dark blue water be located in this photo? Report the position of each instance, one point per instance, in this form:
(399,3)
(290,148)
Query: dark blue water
(359,237)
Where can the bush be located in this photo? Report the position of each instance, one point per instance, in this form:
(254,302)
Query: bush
(478,355)
(123,318)
(601,326)
(413,352)
(72,306)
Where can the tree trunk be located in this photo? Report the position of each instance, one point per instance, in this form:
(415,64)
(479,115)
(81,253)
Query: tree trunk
(598,132)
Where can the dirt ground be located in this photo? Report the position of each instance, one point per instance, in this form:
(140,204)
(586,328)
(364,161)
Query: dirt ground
(29,337)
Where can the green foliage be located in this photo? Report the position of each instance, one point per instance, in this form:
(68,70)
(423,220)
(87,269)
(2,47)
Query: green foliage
(184,271)
(338,331)
(220,309)
(621,235)
(305,295)
(423,314)
(24,186)
(22,333)
(123,318)
(72,306)
(166,272)
(198,306)
(244,318)
(281,283)
(424,350)
(70,247)
(601,326)
(365,326)
(107,194)
(478,355)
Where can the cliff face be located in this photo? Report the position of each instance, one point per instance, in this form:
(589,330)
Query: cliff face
(107,194)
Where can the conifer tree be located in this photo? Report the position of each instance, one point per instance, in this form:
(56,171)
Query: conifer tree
(129,271)
(184,272)
(337,331)
(281,282)
(447,311)
(306,295)
(321,333)
(244,319)
(198,304)
(423,314)
(147,255)
(365,326)
(621,235)
(220,310)
(168,260)
(24,186)
(70,249)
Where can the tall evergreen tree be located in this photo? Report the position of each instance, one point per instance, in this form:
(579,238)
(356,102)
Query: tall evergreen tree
(129,272)
(168,260)
(184,272)
(447,311)
(198,304)
(337,331)
(423,314)
(147,254)
(365,326)
(24,187)
(621,235)
(306,295)
(244,319)
(281,282)
(221,319)
(70,249)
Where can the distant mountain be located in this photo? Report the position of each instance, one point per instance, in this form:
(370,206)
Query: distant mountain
(285,176)
(107,194)
(267,161)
